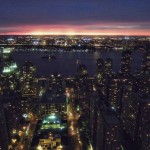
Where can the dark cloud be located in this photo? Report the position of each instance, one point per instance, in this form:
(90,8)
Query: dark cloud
(120,26)
(92,15)
(17,12)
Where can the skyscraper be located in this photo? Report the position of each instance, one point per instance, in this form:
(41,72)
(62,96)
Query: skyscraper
(108,67)
(99,65)
(134,116)
(126,62)
(28,79)
(104,126)
(113,94)
(3,130)
(100,80)
(145,68)
(82,72)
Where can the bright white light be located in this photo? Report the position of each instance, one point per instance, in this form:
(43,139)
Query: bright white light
(39,147)
(6,70)
(13,65)
(6,50)
(62,128)
(68,94)
(25,115)
(52,117)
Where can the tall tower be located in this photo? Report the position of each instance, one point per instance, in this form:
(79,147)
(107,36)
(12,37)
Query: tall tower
(145,68)
(135,117)
(99,65)
(3,130)
(104,126)
(28,78)
(126,62)
(100,80)
(108,67)
(113,94)
(143,79)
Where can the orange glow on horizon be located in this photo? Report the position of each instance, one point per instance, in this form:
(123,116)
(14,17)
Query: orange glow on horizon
(94,29)
(129,33)
(115,33)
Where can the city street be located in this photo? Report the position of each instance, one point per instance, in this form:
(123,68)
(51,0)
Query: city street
(27,136)
(73,128)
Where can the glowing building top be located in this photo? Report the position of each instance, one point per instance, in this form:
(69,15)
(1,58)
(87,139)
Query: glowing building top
(7,50)
(9,68)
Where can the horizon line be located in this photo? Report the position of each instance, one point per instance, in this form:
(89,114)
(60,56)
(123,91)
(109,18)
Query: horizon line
(74,35)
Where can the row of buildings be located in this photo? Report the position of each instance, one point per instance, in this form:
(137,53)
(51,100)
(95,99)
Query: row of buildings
(116,105)
(119,104)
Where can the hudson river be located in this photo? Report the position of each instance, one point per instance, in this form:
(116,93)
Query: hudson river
(66,62)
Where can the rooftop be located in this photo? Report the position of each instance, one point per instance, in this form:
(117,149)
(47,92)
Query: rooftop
(49,125)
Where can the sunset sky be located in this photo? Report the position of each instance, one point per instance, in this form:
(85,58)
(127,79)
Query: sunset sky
(95,17)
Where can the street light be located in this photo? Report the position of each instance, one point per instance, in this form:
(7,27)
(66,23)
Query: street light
(14,131)
(24,127)
(14,141)
(39,147)
(68,94)
(59,147)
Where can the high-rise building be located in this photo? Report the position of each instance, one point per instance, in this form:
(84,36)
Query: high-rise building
(9,78)
(129,111)
(142,83)
(145,68)
(82,92)
(104,126)
(100,80)
(144,122)
(5,54)
(114,92)
(55,82)
(50,105)
(142,77)
(13,113)
(108,67)
(126,62)
(134,116)
(52,100)
(82,72)
(99,65)
(29,70)
(4,140)
(28,84)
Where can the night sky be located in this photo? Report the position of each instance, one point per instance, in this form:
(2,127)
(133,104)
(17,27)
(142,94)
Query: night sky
(107,17)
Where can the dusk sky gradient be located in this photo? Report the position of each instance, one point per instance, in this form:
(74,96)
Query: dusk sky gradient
(97,17)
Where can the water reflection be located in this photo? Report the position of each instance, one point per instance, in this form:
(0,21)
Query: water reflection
(66,63)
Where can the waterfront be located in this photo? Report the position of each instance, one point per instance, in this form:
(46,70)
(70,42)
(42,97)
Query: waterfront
(66,63)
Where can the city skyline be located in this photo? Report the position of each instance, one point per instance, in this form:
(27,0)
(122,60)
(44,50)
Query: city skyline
(75,17)
(89,96)
(74,75)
